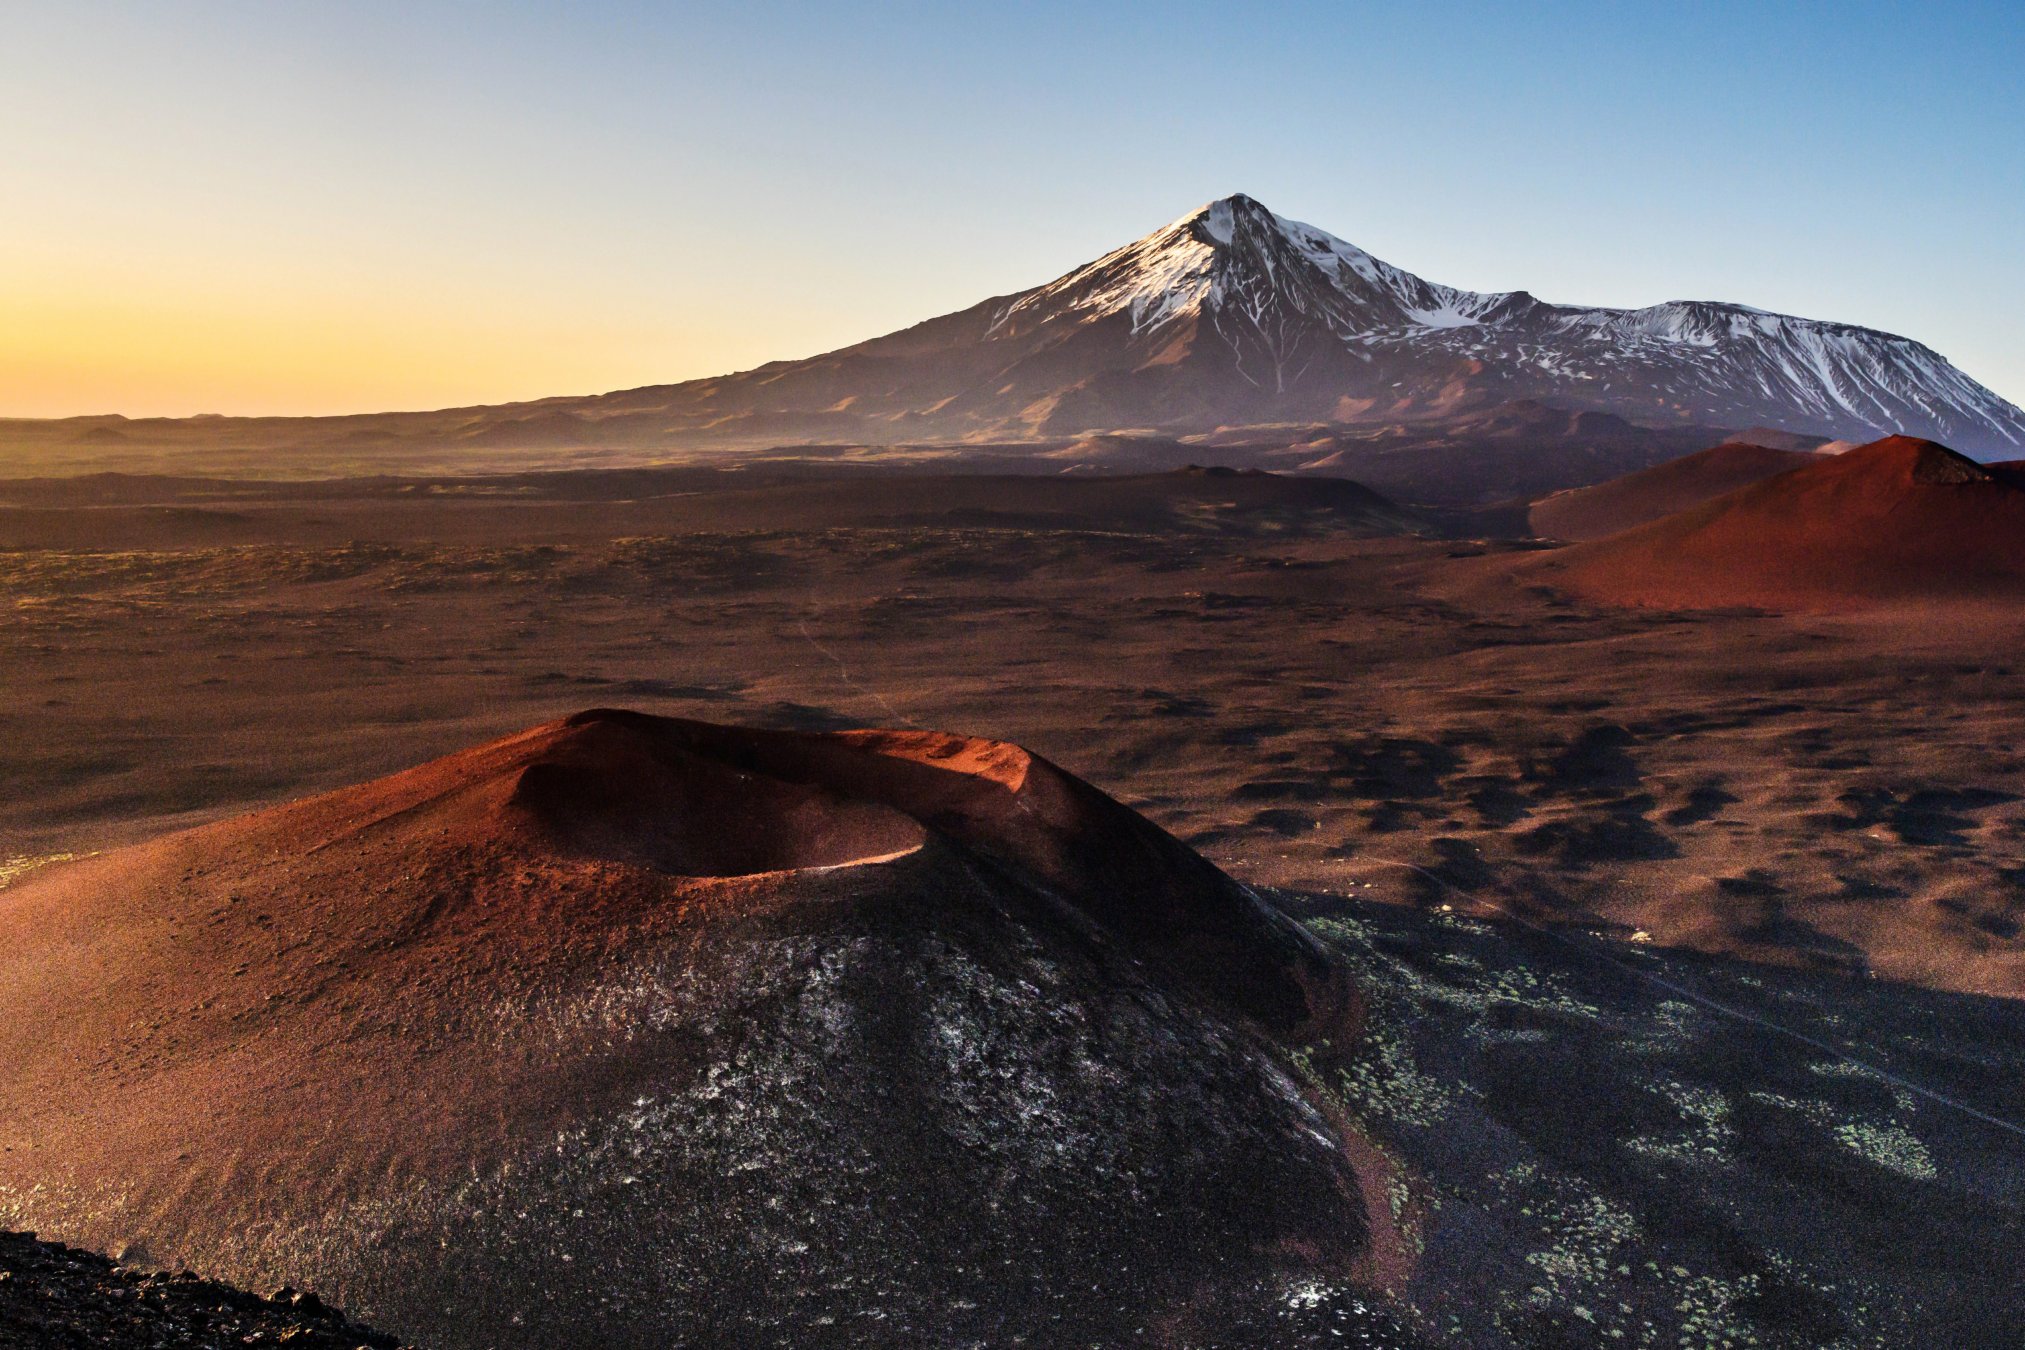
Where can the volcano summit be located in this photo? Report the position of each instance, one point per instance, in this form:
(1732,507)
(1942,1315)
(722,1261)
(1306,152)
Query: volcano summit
(1234,314)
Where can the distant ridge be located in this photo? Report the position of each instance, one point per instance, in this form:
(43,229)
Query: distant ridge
(1898,520)
(1621,503)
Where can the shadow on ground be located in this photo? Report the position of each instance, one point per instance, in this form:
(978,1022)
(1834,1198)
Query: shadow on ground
(1616,1145)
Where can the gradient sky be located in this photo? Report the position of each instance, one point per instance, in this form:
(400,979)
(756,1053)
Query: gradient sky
(310,207)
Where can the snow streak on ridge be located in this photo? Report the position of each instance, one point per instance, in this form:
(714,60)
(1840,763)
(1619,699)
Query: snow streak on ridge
(1269,285)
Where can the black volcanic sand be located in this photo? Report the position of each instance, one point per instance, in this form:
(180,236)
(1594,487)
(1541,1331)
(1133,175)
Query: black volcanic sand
(55,1298)
(1625,1146)
(1839,801)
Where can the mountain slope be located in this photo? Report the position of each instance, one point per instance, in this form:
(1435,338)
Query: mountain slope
(1676,485)
(1896,521)
(733,1037)
(1234,314)
(1230,316)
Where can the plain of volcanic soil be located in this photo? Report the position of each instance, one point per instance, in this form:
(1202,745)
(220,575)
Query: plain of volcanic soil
(1304,704)
(1815,817)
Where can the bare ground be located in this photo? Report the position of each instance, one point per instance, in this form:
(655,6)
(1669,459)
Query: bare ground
(1351,720)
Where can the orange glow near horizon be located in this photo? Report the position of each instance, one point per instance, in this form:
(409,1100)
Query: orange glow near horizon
(153,354)
(317,209)
(196,309)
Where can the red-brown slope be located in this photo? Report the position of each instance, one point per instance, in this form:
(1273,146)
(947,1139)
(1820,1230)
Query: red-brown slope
(718,1028)
(1618,505)
(1898,520)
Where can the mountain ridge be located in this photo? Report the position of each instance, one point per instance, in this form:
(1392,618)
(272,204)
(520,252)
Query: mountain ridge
(1900,521)
(1230,315)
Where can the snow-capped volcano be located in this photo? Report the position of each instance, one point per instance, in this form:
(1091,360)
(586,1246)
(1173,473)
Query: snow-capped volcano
(1251,271)
(1319,325)
(1229,318)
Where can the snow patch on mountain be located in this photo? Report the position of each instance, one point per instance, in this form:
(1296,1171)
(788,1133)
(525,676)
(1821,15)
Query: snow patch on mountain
(1154,280)
(1274,288)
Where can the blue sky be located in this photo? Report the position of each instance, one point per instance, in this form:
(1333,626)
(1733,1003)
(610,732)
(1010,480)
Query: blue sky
(322,207)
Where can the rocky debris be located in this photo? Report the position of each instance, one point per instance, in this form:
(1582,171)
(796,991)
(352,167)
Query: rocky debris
(53,1296)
